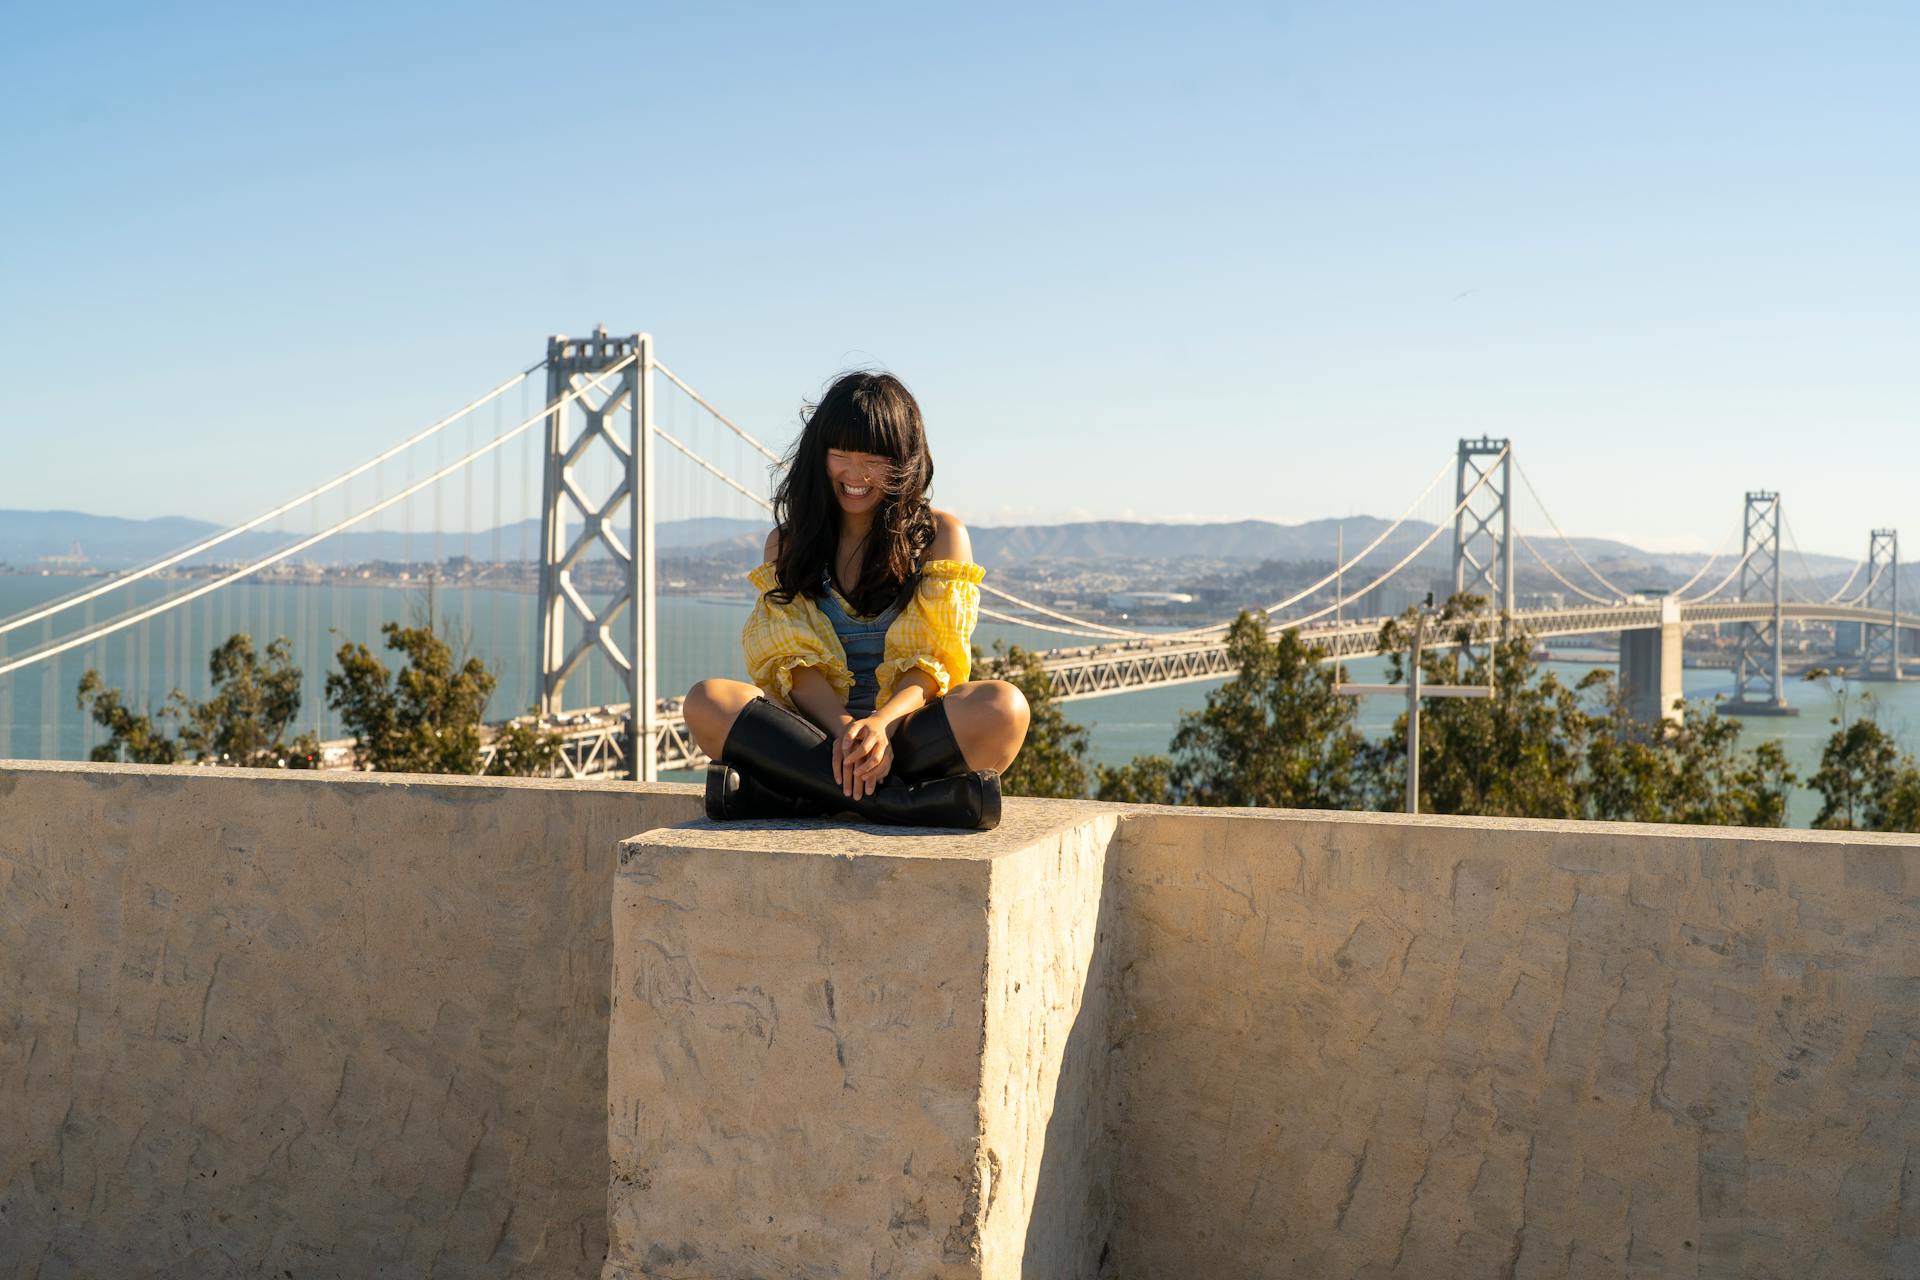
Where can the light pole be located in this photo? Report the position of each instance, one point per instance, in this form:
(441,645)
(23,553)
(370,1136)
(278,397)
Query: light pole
(1414,690)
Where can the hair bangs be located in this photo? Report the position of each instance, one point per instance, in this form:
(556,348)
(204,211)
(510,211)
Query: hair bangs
(867,420)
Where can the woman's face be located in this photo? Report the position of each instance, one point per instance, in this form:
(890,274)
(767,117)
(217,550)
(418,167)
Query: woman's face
(858,480)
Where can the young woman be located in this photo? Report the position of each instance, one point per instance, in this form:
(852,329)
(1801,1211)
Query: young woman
(860,644)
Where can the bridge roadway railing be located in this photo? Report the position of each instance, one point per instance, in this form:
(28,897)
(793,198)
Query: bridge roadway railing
(594,742)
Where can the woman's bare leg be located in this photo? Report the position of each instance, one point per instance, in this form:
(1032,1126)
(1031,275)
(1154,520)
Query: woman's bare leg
(711,708)
(989,719)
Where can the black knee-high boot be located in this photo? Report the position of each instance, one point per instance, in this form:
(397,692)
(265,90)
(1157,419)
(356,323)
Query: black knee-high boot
(924,747)
(789,755)
(733,796)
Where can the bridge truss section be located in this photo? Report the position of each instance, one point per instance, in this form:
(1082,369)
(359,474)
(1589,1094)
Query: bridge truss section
(1483,527)
(611,412)
(1759,661)
(1880,641)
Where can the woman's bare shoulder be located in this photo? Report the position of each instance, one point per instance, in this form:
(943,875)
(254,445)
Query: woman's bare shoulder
(950,540)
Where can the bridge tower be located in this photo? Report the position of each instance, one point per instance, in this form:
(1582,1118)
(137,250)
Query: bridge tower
(1880,642)
(613,412)
(1759,687)
(1483,531)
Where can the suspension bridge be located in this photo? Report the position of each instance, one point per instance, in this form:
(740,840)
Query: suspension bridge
(620,446)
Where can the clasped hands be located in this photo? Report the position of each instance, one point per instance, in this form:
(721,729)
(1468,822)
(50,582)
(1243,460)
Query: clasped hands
(862,756)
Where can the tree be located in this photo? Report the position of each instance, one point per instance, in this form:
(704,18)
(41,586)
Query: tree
(523,750)
(253,706)
(1514,754)
(1866,783)
(138,736)
(1142,780)
(245,722)
(424,719)
(1899,806)
(1053,760)
(1688,771)
(1277,734)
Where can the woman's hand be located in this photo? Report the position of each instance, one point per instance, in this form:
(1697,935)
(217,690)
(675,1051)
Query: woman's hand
(862,756)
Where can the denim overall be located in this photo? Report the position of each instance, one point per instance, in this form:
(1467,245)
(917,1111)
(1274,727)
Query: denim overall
(864,639)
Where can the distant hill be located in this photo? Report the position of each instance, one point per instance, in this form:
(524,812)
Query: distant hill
(28,537)
(1316,540)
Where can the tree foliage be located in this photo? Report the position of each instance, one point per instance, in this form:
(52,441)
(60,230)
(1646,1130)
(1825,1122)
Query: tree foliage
(1277,734)
(1053,760)
(139,737)
(1689,771)
(523,750)
(1142,780)
(423,719)
(245,722)
(1866,783)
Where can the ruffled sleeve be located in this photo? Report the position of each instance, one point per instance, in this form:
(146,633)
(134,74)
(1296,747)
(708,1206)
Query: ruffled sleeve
(779,639)
(934,632)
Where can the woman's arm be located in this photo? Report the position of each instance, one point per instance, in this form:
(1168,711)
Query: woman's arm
(812,692)
(914,689)
(818,701)
(792,654)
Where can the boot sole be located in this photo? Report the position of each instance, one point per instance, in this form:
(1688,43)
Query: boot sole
(722,784)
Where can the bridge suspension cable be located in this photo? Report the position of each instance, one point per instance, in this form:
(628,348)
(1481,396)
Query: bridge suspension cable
(1618,594)
(1438,528)
(1340,571)
(1865,591)
(1807,569)
(712,470)
(1858,566)
(1088,628)
(127,579)
(999,616)
(725,421)
(1557,575)
(1724,582)
(1680,591)
(172,602)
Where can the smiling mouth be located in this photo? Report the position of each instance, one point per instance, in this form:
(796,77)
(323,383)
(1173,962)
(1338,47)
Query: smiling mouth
(859,491)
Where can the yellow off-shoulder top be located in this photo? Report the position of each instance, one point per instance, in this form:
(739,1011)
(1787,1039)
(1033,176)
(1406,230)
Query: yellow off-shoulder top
(933,633)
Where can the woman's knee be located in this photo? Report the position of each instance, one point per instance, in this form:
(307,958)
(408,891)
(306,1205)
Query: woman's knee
(711,705)
(995,712)
(1004,702)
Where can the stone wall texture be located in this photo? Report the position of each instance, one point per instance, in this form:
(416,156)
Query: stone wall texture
(860,1052)
(1365,1046)
(352,1026)
(260,1023)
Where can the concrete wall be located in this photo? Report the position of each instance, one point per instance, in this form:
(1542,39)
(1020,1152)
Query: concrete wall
(258,1023)
(1360,1046)
(862,1052)
(255,1023)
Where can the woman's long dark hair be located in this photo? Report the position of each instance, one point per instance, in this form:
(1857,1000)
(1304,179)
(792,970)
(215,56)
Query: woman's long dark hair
(860,413)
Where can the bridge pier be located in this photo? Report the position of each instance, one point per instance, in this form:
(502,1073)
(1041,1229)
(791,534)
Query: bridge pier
(1650,667)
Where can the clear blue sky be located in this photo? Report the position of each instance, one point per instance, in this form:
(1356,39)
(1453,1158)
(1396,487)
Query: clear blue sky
(1165,261)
